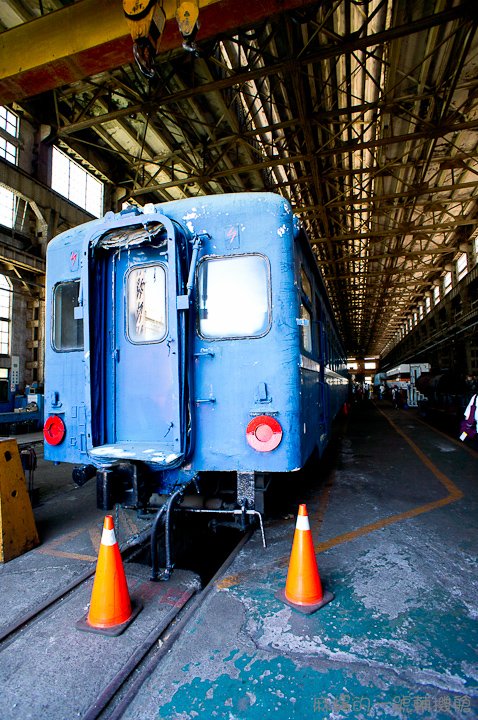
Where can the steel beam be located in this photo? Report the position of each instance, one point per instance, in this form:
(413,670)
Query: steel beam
(20,259)
(13,178)
(272,162)
(287,66)
(432,133)
(398,231)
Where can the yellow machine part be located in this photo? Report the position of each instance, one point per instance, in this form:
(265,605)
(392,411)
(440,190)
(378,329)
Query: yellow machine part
(187,16)
(145,19)
(18,532)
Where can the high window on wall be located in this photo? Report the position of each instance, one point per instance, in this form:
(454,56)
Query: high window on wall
(461,266)
(447,282)
(8,134)
(77,184)
(5,314)
(9,128)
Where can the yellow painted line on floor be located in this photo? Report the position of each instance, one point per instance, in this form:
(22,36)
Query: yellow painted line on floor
(379,524)
(449,484)
(70,555)
(52,550)
(94,532)
(454,494)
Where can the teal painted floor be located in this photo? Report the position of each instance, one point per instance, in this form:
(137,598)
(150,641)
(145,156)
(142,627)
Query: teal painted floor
(394,522)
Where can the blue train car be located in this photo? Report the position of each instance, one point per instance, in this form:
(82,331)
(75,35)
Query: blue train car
(189,338)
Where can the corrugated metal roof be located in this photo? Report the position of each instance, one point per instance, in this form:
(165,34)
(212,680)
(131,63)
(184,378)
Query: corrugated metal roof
(362,114)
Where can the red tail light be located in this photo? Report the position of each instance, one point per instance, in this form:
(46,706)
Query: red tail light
(54,430)
(264,433)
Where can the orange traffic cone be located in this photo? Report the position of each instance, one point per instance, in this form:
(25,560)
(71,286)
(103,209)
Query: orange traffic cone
(303,589)
(111,610)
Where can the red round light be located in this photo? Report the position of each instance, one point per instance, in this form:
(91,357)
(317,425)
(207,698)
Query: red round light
(263,433)
(54,430)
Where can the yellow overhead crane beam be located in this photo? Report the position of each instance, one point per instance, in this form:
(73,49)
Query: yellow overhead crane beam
(70,44)
(93,36)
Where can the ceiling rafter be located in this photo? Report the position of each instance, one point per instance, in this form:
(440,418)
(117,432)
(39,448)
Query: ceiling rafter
(362,115)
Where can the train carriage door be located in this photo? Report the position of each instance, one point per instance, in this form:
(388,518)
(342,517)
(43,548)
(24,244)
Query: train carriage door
(142,349)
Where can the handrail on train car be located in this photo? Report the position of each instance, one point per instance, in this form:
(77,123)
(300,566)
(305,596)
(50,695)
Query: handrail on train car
(197,244)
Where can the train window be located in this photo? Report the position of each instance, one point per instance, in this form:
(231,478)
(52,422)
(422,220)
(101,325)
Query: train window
(306,329)
(67,329)
(146,304)
(318,328)
(234,296)
(305,283)
(326,339)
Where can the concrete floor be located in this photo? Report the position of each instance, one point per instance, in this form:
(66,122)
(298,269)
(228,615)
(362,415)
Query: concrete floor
(51,670)
(395,527)
(394,519)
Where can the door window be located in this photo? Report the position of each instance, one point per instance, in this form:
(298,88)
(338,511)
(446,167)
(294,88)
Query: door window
(146,304)
(306,330)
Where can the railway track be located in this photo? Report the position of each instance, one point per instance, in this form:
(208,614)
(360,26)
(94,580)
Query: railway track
(150,660)
(112,669)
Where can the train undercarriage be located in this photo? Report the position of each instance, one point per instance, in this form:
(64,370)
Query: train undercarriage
(234,499)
